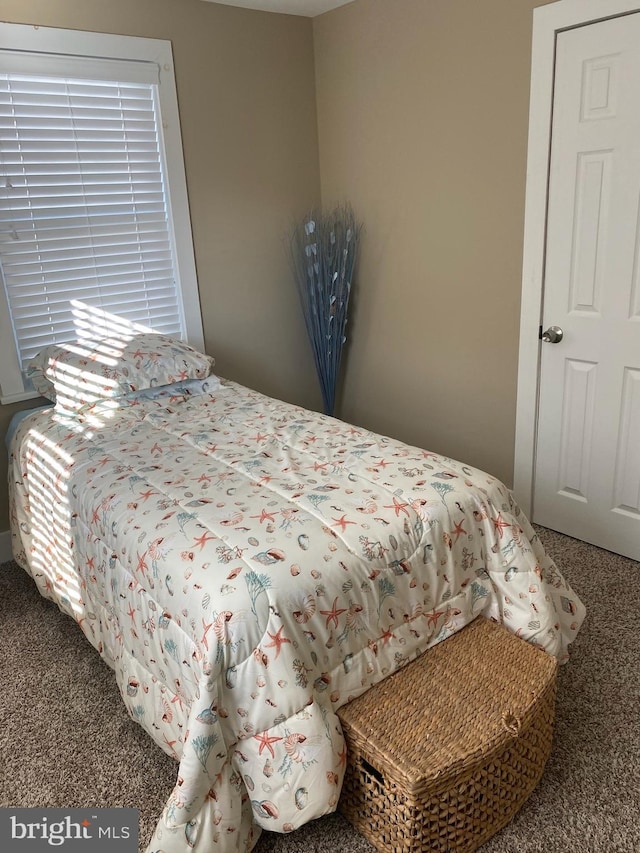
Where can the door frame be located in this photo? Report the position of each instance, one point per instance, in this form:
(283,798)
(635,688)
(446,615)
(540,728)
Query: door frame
(548,21)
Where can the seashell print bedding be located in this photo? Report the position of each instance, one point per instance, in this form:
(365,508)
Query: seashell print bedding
(247,567)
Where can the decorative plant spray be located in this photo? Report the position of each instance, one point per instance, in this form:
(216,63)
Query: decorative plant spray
(323,255)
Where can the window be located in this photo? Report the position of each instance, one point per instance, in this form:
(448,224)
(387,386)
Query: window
(94,223)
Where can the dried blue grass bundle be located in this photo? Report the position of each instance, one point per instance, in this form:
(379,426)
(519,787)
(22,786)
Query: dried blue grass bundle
(323,248)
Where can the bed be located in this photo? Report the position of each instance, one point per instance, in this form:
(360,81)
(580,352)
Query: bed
(247,567)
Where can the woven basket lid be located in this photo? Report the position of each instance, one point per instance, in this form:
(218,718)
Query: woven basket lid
(454,706)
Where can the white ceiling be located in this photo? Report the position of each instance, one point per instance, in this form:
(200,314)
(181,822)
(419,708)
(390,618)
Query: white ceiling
(308,8)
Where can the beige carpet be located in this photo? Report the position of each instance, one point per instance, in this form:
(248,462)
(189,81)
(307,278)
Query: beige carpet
(66,740)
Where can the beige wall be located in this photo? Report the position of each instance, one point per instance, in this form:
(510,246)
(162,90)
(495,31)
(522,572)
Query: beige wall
(246,95)
(422,124)
(422,119)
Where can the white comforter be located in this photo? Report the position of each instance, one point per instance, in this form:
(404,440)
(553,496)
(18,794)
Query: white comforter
(247,567)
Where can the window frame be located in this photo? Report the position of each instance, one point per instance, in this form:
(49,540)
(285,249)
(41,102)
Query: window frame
(49,40)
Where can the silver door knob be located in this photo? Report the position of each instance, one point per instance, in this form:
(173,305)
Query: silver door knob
(553,335)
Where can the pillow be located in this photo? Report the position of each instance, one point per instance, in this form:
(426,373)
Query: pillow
(83,372)
(95,412)
(188,388)
(40,383)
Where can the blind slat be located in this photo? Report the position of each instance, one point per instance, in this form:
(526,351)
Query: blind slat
(158,313)
(74,331)
(158,302)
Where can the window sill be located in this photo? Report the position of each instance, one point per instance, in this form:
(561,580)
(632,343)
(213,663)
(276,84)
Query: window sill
(6,399)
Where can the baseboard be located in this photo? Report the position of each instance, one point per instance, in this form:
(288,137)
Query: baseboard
(5,546)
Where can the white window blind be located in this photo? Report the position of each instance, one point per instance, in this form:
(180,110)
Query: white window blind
(85,216)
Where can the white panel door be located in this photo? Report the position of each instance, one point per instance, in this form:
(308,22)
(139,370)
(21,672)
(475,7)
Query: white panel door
(587,474)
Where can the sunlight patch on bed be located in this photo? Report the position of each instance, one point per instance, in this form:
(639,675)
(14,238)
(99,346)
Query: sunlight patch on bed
(101,340)
(76,388)
(52,535)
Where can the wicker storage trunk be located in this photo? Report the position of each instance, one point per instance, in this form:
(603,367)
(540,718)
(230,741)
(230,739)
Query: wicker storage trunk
(443,753)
